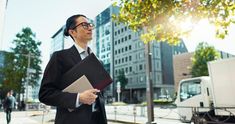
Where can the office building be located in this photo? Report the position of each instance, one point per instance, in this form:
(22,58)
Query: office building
(104,35)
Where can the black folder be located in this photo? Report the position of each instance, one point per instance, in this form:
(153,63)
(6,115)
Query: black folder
(92,69)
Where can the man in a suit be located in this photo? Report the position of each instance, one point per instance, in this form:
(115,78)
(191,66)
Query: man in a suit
(72,108)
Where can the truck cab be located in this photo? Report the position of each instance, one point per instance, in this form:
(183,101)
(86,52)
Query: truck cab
(193,93)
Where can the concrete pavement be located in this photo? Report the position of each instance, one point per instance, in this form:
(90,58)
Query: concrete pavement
(19,117)
(32,117)
(36,117)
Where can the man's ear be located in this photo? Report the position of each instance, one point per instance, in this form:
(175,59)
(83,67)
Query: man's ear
(71,32)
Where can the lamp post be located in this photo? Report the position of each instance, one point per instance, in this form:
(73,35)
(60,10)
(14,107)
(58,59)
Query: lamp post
(27,79)
(149,87)
(29,70)
(118,90)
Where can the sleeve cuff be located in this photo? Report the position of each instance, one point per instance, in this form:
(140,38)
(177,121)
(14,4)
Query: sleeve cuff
(77,101)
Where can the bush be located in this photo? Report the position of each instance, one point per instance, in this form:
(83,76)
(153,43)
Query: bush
(159,102)
(118,104)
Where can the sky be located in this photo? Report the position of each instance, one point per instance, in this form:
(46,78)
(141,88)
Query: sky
(45,17)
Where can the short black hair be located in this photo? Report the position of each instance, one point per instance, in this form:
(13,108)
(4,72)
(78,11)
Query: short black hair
(71,22)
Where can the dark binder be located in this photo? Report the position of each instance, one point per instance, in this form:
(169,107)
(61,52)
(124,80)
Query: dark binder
(92,69)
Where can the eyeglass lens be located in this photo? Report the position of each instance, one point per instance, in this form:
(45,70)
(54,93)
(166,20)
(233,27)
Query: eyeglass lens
(87,25)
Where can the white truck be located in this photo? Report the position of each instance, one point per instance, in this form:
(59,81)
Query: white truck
(209,99)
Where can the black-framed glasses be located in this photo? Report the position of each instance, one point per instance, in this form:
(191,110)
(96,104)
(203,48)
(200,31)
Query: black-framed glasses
(85,25)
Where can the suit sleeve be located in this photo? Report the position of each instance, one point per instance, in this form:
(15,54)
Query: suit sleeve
(50,93)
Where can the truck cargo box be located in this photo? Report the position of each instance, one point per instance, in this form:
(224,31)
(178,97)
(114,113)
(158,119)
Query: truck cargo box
(222,74)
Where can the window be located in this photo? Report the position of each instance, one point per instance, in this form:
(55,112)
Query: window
(189,89)
(141,78)
(129,58)
(140,67)
(158,67)
(140,55)
(130,69)
(140,44)
(129,37)
(158,77)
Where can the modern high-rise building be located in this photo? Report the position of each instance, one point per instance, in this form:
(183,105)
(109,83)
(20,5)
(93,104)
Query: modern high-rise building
(104,36)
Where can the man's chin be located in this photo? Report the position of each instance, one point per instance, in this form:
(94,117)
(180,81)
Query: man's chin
(90,38)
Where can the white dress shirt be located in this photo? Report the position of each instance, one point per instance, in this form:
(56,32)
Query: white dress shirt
(83,54)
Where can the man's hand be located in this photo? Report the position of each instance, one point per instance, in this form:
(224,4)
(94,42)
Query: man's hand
(88,96)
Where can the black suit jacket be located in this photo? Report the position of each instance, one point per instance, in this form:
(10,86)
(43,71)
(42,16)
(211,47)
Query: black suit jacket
(51,93)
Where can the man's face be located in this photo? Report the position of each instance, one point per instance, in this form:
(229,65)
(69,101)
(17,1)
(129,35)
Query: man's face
(83,30)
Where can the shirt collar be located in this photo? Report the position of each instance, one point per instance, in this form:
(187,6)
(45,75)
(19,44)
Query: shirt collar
(80,49)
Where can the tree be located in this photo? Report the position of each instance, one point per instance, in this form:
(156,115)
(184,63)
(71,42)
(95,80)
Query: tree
(162,18)
(17,61)
(122,79)
(8,73)
(203,54)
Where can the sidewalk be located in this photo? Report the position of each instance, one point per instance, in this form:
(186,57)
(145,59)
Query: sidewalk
(35,117)
(127,119)
(19,117)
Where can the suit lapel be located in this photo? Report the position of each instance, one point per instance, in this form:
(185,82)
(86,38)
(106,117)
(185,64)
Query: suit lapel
(75,54)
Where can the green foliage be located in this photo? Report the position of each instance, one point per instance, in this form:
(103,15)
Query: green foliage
(8,72)
(119,104)
(203,54)
(16,62)
(160,102)
(161,19)
(122,78)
